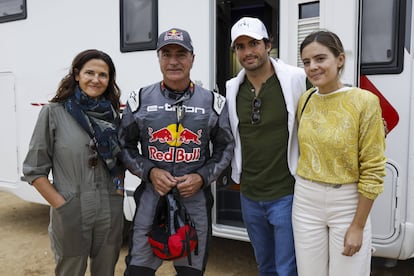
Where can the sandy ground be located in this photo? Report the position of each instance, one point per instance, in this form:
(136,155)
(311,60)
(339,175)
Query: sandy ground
(25,248)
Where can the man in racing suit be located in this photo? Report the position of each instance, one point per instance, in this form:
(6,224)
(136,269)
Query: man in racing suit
(174,122)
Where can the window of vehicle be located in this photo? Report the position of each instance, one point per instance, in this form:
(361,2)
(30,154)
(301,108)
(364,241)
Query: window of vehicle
(308,10)
(11,10)
(382,36)
(139,25)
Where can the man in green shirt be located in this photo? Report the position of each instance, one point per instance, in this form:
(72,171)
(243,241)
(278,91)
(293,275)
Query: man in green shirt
(262,101)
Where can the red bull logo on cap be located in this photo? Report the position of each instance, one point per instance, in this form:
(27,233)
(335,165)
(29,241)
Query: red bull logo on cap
(174,137)
(174,35)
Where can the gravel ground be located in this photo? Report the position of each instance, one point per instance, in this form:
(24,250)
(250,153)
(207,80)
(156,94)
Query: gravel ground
(25,248)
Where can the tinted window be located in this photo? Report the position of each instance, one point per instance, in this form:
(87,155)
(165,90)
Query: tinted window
(382,36)
(12,10)
(139,27)
(308,10)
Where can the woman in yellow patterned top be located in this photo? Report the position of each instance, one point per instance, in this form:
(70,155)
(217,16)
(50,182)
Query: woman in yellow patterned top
(341,165)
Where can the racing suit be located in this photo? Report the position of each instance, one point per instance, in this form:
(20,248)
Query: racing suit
(175,132)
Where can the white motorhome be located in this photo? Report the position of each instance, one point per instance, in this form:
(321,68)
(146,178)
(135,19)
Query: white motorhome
(40,38)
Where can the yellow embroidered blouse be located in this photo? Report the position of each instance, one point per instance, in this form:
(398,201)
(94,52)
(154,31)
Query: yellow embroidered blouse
(342,140)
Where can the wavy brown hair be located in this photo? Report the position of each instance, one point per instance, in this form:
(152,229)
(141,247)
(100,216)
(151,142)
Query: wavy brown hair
(68,84)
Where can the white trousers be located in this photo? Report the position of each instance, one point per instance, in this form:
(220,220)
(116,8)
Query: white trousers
(321,216)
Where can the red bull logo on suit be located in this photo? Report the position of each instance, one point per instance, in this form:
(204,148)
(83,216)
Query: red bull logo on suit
(174,136)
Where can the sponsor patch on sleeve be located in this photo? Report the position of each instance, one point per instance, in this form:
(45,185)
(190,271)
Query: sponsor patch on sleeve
(219,102)
(133,100)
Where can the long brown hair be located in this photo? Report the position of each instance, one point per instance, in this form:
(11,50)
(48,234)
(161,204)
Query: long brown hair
(68,84)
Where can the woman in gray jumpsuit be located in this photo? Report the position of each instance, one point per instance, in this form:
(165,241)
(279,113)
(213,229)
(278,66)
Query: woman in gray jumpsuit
(75,138)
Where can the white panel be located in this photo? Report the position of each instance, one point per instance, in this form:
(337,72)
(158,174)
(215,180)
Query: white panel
(341,17)
(383,212)
(8,145)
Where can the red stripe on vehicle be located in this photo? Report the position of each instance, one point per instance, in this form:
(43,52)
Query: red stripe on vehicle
(389,113)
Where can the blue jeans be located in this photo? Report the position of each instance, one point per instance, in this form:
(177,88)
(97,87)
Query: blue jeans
(269,225)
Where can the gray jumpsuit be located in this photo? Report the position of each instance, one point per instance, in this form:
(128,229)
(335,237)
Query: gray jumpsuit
(196,139)
(90,223)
